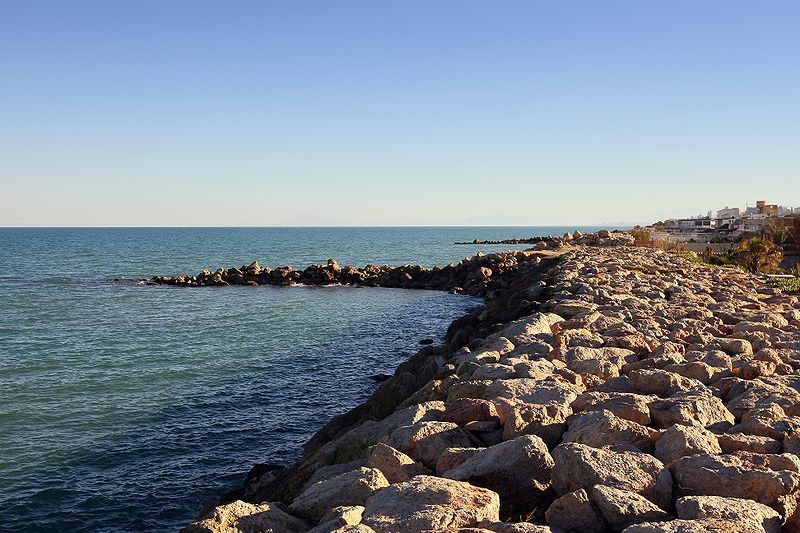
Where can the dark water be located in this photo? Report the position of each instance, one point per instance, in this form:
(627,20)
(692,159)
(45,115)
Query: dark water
(124,407)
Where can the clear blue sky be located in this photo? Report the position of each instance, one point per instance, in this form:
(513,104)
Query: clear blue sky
(414,112)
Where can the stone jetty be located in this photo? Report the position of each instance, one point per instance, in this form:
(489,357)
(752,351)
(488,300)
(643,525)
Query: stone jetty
(601,388)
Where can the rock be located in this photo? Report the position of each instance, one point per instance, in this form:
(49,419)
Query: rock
(532,391)
(633,407)
(425,441)
(707,525)
(623,508)
(731,476)
(603,428)
(527,328)
(358,528)
(661,383)
(578,466)
(430,503)
(739,509)
(575,513)
(454,457)
(548,422)
(691,409)
(351,488)
(330,471)
(520,527)
(518,470)
(735,442)
(679,441)
(241,516)
(338,518)
(394,464)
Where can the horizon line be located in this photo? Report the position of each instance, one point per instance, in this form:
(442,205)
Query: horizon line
(595,225)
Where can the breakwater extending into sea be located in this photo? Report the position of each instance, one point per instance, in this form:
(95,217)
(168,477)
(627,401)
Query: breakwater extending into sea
(601,388)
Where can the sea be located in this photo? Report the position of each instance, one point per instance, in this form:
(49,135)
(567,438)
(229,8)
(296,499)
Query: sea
(126,406)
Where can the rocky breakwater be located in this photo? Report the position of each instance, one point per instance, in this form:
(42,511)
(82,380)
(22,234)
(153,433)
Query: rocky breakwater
(606,389)
(476,275)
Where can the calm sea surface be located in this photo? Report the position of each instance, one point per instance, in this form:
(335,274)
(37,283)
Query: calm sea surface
(123,407)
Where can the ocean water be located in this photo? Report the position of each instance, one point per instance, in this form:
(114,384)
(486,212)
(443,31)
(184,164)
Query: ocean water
(123,407)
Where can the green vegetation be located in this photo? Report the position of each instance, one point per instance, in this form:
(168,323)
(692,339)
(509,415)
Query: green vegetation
(758,256)
(787,284)
(689,256)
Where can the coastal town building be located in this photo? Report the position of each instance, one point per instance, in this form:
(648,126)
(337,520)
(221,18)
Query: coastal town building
(729,224)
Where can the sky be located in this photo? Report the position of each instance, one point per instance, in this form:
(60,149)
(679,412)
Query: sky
(199,113)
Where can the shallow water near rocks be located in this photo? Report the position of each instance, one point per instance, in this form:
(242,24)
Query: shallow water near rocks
(125,406)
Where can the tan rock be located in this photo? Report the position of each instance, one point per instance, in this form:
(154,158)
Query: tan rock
(463,410)
(578,466)
(705,525)
(425,441)
(661,383)
(352,488)
(338,518)
(735,442)
(691,409)
(518,470)
(623,508)
(633,407)
(239,517)
(603,428)
(394,464)
(758,515)
(735,477)
(548,422)
(679,441)
(430,503)
(575,513)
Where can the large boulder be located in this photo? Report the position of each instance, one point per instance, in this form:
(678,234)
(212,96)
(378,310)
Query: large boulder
(427,503)
(425,441)
(633,407)
(518,470)
(737,477)
(351,488)
(740,509)
(622,508)
(548,422)
(339,518)
(679,441)
(394,464)
(690,409)
(239,516)
(704,525)
(574,512)
(578,466)
(603,428)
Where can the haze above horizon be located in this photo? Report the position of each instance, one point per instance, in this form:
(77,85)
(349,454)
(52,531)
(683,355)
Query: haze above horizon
(416,113)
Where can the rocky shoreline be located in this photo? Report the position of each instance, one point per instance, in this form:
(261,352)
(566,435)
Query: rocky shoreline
(601,387)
